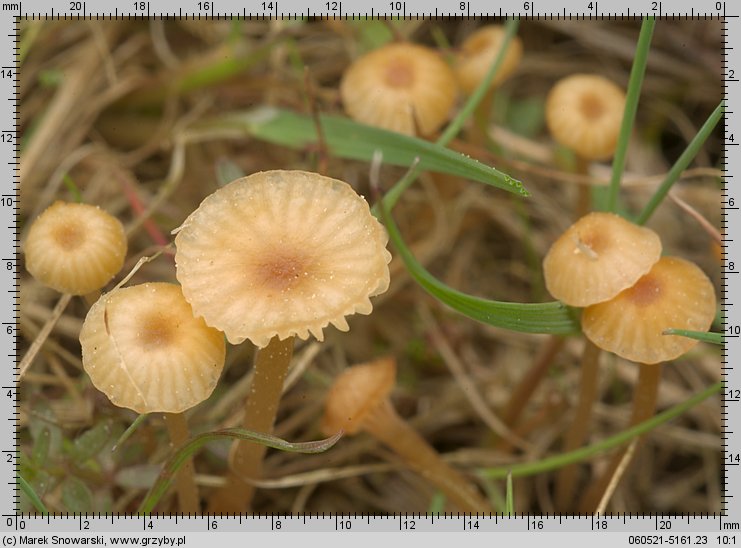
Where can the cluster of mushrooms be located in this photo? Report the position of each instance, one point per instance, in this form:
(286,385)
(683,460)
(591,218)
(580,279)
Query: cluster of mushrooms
(283,254)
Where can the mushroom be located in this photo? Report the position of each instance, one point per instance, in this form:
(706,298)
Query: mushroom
(675,293)
(75,248)
(143,348)
(359,401)
(400,87)
(479,51)
(584,113)
(271,256)
(597,257)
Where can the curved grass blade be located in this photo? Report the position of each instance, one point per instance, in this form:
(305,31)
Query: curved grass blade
(704,336)
(631,106)
(133,427)
(32,496)
(681,164)
(173,464)
(347,139)
(564,459)
(553,318)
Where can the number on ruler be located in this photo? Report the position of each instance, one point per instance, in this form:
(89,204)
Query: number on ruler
(333,6)
(75,6)
(205,6)
(396,6)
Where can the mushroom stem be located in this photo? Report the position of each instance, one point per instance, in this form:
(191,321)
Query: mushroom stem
(577,433)
(188,498)
(526,387)
(261,408)
(644,407)
(584,190)
(388,427)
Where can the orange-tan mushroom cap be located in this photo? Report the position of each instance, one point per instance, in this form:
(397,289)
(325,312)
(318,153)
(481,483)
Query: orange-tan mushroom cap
(479,51)
(143,348)
(400,87)
(356,392)
(584,113)
(597,257)
(281,253)
(675,294)
(75,248)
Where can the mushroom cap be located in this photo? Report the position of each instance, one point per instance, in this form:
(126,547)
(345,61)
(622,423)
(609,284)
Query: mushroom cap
(597,257)
(674,294)
(143,348)
(75,248)
(281,253)
(584,113)
(400,87)
(478,53)
(355,393)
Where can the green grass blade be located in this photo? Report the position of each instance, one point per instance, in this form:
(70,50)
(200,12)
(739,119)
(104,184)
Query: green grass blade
(353,141)
(554,317)
(631,105)
(133,427)
(32,496)
(564,459)
(173,464)
(510,497)
(704,336)
(682,163)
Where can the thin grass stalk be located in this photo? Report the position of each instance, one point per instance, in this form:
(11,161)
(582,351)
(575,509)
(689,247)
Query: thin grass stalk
(682,163)
(579,455)
(631,105)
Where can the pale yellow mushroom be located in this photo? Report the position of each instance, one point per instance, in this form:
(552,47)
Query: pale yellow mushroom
(597,257)
(143,348)
(400,87)
(359,401)
(584,113)
(479,51)
(674,294)
(75,248)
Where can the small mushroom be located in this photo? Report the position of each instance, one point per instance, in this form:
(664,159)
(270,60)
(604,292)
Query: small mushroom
(674,294)
(597,257)
(281,253)
(359,401)
(479,51)
(400,87)
(268,257)
(75,248)
(584,113)
(143,348)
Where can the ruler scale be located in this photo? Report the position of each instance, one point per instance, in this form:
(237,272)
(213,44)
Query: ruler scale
(716,529)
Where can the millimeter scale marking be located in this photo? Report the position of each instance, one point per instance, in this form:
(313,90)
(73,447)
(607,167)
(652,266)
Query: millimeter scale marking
(720,528)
